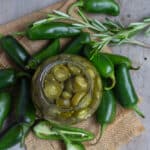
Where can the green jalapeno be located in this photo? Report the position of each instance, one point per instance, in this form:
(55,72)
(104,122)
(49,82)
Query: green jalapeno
(44,130)
(5,102)
(109,7)
(124,89)
(14,50)
(118,59)
(106,111)
(69,144)
(11,137)
(51,30)
(24,109)
(104,66)
(9,76)
(78,43)
(39,57)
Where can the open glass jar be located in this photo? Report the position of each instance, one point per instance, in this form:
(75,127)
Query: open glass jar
(66,88)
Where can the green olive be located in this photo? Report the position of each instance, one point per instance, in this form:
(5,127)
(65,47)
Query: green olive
(80,84)
(63,103)
(52,89)
(66,95)
(74,69)
(61,72)
(85,102)
(77,98)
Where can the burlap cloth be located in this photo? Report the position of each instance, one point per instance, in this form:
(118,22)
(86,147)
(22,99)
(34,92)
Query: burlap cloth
(124,128)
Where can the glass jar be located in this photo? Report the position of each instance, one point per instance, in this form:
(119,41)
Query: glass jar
(66,88)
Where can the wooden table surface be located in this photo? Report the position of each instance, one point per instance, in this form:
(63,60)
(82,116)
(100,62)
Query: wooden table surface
(131,11)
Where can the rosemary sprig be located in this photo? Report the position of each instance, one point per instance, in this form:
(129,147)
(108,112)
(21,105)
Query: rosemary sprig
(105,33)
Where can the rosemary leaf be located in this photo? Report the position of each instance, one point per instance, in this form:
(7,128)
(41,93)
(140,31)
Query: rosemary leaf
(107,32)
(39,22)
(147,20)
(98,23)
(61,13)
(81,14)
(147,32)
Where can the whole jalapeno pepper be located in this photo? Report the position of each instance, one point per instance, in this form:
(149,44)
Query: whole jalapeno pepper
(44,130)
(9,76)
(106,111)
(70,145)
(5,102)
(77,44)
(104,66)
(51,30)
(124,89)
(24,109)
(14,50)
(39,57)
(118,59)
(109,7)
(11,136)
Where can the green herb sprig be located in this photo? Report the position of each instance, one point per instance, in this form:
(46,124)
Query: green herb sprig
(105,33)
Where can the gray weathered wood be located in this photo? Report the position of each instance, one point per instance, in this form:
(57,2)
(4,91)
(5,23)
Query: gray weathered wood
(131,11)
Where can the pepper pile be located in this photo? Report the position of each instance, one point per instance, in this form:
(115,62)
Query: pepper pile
(114,69)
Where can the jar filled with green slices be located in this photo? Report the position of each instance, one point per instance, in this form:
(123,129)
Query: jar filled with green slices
(66,88)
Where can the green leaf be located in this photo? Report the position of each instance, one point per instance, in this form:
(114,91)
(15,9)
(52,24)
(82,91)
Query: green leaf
(147,32)
(100,35)
(78,25)
(135,24)
(147,20)
(51,15)
(39,22)
(61,13)
(81,14)
(99,25)
(111,24)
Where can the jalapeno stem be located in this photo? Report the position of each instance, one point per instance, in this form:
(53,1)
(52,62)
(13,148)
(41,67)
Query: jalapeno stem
(76,4)
(113,82)
(102,129)
(136,109)
(31,64)
(19,33)
(25,129)
(135,68)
